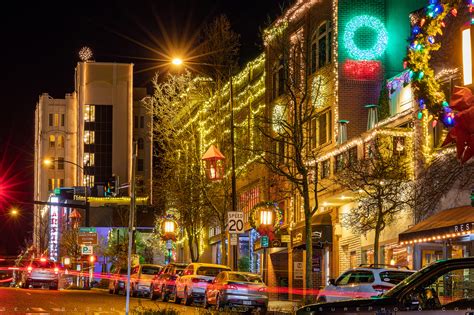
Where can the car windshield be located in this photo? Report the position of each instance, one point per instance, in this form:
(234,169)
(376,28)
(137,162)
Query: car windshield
(394,277)
(150,270)
(245,277)
(413,277)
(209,271)
(42,264)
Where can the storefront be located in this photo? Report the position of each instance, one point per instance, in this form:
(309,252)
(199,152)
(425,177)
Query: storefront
(446,234)
(321,236)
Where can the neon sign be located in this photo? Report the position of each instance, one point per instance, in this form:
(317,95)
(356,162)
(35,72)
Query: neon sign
(54,230)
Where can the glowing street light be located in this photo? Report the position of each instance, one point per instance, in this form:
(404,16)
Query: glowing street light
(14,212)
(177,61)
(266,217)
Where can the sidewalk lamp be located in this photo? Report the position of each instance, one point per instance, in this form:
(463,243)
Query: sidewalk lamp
(266,217)
(214,163)
(169,227)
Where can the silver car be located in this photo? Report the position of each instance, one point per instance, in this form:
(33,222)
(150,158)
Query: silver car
(40,272)
(237,290)
(362,282)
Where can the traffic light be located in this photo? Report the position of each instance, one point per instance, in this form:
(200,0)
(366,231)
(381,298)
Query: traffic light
(92,259)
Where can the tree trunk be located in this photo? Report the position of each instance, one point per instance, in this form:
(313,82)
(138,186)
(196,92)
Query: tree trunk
(309,242)
(377,236)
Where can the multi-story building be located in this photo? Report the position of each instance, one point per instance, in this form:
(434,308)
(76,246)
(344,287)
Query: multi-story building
(89,136)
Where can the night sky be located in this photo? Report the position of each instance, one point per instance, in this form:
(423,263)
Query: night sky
(40,44)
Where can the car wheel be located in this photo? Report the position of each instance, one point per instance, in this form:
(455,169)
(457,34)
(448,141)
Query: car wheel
(187,299)
(164,296)
(321,299)
(177,299)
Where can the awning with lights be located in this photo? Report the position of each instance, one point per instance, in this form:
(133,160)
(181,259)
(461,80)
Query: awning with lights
(446,224)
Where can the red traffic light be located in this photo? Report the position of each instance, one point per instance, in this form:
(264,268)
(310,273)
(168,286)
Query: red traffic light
(92,258)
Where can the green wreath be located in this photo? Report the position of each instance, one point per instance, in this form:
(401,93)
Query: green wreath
(266,204)
(422,43)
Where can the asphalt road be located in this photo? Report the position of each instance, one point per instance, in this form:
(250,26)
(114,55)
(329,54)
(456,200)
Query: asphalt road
(43,301)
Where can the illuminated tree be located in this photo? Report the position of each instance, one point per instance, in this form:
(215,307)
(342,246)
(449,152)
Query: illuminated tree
(383,187)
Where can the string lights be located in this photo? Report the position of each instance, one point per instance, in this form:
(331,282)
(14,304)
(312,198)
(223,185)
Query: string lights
(365,21)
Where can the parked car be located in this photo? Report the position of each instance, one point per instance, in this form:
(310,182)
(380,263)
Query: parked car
(163,284)
(241,290)
(117,280)
(191,286)
(141,278)
(363,282)
(40,272)
(443,287)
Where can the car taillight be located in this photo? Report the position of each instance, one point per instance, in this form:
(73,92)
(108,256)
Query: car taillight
(56,270)
(381,288)
(262,289)
(196,280)
(231,287)
(29,269)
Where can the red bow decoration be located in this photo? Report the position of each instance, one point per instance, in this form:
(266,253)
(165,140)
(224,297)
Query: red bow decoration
(267,230)
(462,133)
(169,236)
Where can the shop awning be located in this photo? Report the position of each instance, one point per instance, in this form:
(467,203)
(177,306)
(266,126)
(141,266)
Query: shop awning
(321,229)
(445,224)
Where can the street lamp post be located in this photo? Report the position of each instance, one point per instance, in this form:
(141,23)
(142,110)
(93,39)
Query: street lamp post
(48,162)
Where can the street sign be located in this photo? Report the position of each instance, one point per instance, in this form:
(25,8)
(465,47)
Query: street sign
(234,239)
(87,250)
(235,222)
(285,238)
(264,241)
(87,238)
(87,230)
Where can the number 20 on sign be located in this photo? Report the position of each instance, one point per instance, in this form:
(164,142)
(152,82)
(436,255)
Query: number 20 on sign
(235,222)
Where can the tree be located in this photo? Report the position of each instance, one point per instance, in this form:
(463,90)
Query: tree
(381,182)
(289,148)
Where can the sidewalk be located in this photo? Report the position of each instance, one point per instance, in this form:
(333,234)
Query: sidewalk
(283,306)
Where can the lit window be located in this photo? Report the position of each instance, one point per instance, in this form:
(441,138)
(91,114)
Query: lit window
(56,120)
(52,141)
(88,159)
(60,140)
(89,137)
(89,180)
(89,113)
(321,46)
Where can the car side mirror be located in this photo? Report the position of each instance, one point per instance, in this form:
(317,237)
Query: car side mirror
(332,282)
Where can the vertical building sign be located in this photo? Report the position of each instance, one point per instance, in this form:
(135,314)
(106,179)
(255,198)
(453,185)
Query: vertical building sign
(54,230)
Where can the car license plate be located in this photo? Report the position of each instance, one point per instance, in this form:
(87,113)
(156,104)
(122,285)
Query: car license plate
(247,302)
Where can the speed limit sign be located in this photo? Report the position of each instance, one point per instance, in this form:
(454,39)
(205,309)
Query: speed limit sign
(235,222)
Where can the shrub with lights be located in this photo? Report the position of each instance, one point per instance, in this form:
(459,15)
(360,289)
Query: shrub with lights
(432,102)
(266,218)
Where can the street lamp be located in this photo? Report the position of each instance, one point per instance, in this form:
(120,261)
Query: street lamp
(14,212)
(49,162)
(169,227)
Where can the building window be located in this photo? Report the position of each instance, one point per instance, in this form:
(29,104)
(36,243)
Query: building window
(89,137)
(140,144)
(135,121)
(321,46)
(399,146)
(312,133)
(352,155)
(89,113)
(62,120)
(89,180)
(60,163)
(340,162)
(60,140)
(140,165)
(248,200)
(88,159)
(52,141)
(324,128)
(50,120)
(142,121)
(56,120)
(54,183)
(325,168)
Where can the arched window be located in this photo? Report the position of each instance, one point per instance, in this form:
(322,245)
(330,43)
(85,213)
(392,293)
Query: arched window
(60,142)
(321,43)
(140,144)
(52,141)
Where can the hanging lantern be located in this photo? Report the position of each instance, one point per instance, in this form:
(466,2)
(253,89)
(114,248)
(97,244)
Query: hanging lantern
(214,163)
(266,216)
(169,226)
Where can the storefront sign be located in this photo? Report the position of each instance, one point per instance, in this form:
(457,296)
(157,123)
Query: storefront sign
(321,234)
(298,270)
(466,227)
(286,238)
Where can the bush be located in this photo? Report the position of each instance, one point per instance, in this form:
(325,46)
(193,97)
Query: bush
(244,263)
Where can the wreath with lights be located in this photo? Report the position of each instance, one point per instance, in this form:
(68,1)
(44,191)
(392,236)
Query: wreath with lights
(427,90)
(422,43)
(160,228)
(266,230)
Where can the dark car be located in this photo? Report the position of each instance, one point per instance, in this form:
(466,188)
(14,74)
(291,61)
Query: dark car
(446,285)
(163,285)
(117,281)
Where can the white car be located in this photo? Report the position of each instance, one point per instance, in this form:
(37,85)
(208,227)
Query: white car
(141,277)
(362,282)
(192,285)
(40,272)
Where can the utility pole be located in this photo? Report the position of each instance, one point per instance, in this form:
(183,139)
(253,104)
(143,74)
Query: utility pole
(131,225)
(234,183)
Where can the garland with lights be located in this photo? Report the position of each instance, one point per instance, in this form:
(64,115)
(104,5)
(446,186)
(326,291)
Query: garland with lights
(422,43)
(266,230)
